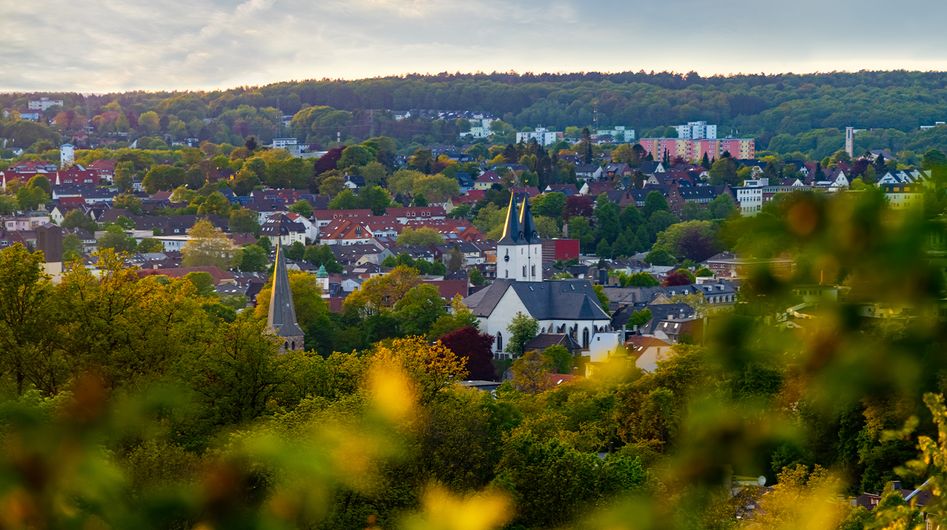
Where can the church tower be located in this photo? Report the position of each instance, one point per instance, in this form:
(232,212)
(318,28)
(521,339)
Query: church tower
(281,320)
(519,251)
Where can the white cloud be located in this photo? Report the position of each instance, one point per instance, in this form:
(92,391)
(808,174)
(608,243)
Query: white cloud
(181,44)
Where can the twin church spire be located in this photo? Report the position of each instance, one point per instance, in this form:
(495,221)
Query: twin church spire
(519,228)
(519,250)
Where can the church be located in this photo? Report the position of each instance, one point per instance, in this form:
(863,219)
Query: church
(281,319)
(560,306)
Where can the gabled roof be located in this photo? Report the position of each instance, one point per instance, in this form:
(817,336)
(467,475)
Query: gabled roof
(548,300)
(545,340)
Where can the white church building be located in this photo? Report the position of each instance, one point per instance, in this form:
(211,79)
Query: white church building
(560,306)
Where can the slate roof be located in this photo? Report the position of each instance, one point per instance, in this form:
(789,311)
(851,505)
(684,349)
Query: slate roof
(282,313)
(545,340)
(549,300)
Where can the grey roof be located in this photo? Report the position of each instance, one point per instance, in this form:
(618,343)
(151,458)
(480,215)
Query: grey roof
(548,300)
(527,226)
(282,316)
(281,225)
(659,313)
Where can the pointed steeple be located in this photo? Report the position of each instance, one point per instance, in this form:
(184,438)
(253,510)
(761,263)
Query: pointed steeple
(511,227)
(527,226)
(281,319)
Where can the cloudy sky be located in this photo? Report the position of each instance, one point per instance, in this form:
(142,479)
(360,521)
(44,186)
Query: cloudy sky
(107,45)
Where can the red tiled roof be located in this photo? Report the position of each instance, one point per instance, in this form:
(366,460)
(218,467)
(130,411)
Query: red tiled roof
(449,288)
(180,272)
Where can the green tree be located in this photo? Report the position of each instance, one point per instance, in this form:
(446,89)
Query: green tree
(302,207)
(418,310)
(149,244)
(435,188)
(724,171)
(238,373)
(654,201)
(321,255)
(332,185)
(244,221)
(163,177)
(116,239)
(522,329)
(639,279)
(76,219)
(253,259)
(8,204)
(149,122)
(128,202)
(423,236)
(559,358)
(694,240)
(375,198)
(208,247)
(549,204)
(354,156)
(25,292)
(41,182)
(29,198)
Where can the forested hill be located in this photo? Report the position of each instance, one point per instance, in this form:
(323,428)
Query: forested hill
(779,110)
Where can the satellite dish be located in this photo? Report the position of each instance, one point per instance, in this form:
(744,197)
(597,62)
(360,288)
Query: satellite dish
(761,480)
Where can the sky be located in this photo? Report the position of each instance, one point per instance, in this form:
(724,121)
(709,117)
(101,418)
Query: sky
(112,45)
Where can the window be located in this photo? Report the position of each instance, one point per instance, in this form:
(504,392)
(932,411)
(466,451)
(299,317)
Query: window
(585,338)
(499,341)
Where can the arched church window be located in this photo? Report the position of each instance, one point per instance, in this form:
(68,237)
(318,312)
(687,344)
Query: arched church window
(585,338)
(499,341)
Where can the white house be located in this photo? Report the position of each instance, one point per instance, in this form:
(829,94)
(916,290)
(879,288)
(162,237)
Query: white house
(281,230)
(750,196)
(648,351)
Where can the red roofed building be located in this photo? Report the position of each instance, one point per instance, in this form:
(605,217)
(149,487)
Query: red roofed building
(448,289)
(460,229)
(471,197)
(486,180)
(347,232)
(74,175)
(105,168)
(218,275)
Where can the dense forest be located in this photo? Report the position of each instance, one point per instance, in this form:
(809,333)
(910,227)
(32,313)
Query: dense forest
(129,402)
(785,113)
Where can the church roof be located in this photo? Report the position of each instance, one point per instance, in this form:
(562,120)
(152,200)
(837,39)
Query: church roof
(548,300)
(527,226)
(282,315)
(511,226)
(518,227)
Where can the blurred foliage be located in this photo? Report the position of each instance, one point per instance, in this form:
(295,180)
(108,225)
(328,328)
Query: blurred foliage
(130,402)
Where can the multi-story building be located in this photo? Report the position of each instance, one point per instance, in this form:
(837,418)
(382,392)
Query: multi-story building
(43,103)
(541,135)
(479,129)
(696,130)
(67,155)
(693,150)
(618,134)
